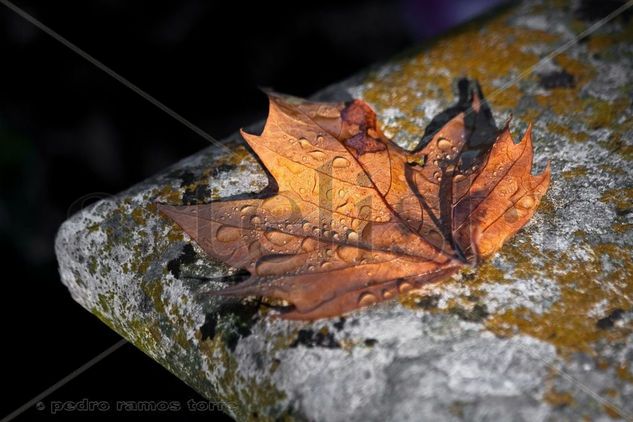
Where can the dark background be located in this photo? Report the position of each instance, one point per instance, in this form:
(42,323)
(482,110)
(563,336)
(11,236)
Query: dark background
(70,134)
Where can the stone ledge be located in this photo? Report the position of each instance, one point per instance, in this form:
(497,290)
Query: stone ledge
(558,299)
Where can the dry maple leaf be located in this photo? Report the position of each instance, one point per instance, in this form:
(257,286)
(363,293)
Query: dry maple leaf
(355,219)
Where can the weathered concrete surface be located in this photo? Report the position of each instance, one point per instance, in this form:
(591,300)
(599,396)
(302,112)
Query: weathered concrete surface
(542,331)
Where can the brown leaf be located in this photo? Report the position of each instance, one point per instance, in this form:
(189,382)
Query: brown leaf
(356,219)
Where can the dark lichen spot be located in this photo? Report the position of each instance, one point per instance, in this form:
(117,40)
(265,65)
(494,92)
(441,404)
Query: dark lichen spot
(339,324)
(222,168)
(231,322)
(608,321)
(557,79)
(235,320)
(478,313)
(370,342)
(310,338)
(187,256)
(428,302)
(197,195)
(186,178)
(207,330)
(472,298)
(593,10)
(469,276)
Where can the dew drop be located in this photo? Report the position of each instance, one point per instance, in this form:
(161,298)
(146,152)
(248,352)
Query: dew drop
(367,299)
(513,214)
(340,162)
(248,209)
(278,238)
(352,236)
(435,236)
(305,143)
(387,294)
(227,233)
(404,286)
(527,202)
(255,220)
(347,253)
(317,155)
(277,264)
(444,144)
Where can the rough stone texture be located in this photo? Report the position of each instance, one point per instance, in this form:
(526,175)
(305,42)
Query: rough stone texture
(544,330)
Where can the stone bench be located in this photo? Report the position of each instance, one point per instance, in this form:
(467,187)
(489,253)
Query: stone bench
(542,330)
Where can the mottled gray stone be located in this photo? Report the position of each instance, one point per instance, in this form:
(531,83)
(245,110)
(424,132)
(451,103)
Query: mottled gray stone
(544,330)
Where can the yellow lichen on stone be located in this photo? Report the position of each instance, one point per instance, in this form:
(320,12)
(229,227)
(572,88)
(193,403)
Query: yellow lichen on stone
(624,373)
(565,131)
(620,198)
(599,43)
(568,324)
(489,55)
(615,143)
(244,396)
(622,228)
(167,194)
(575,172)
(611,411)
(137,215)
(611,169)
(558,398)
